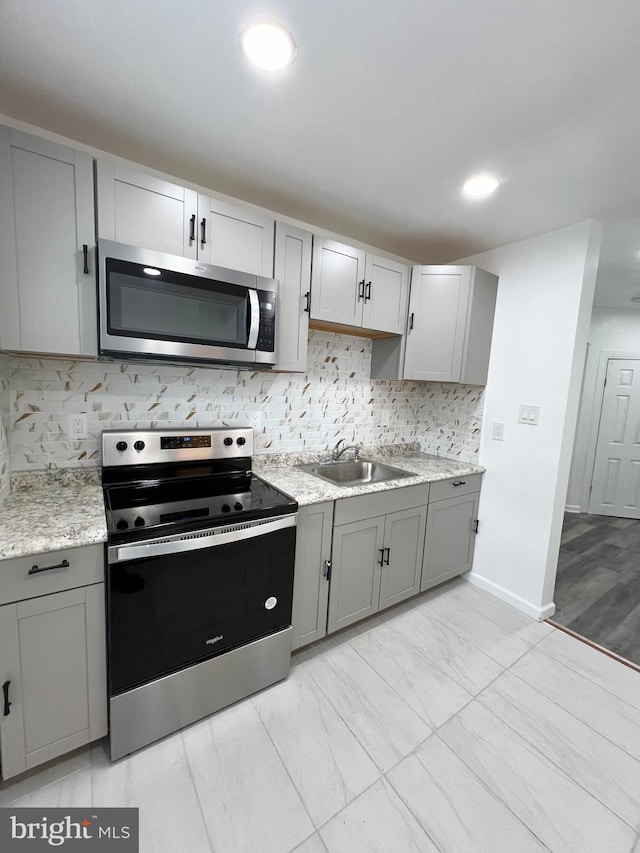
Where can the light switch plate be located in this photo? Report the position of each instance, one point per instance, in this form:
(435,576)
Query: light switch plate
(529,415)
(498,431)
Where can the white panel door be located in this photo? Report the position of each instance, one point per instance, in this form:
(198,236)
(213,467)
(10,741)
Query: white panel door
(235,237)
(141,210)
(615,488)
(386,295)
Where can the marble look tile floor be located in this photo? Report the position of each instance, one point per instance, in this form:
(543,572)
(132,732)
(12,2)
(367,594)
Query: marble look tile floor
(597,592)
(450,723)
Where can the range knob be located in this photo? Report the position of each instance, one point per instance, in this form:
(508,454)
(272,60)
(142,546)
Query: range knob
(139,445)
(242,440)
(226,508)
(237,506)
(121,446)
(139,522)
(122,524)
(228,441)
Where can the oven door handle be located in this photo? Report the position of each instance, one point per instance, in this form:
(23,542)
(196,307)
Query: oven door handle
(121,553)
(254,326)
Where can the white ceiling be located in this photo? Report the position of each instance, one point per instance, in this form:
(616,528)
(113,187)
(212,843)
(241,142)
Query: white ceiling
(389,106)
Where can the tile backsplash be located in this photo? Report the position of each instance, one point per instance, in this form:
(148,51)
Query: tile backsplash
(290,412)
(5,411)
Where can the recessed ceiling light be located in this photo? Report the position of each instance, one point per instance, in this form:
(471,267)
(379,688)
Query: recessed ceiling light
(269,46)
(480,186)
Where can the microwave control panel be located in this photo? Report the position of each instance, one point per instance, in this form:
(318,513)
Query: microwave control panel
(266,335)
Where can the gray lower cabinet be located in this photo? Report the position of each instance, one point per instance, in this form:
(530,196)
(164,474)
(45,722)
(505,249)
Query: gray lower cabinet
(53,665)
(451,528)
(311,580)
(376,558)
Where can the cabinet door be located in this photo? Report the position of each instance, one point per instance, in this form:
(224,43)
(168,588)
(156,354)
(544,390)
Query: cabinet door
(386,295)
(57,676)
(311,579)
(437,317)
(235,237)
(450,537)
(144,211)
(337,283)
(292,268)
(404,545)
(47,301)
(355,573)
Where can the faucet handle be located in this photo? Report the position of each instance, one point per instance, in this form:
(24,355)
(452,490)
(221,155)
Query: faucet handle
(336,450)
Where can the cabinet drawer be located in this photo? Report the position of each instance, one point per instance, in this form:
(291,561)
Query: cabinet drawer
(380,503)
(454,487)
(86,566)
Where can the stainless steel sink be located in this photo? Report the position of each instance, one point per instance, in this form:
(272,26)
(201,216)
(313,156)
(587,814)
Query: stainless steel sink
(354,473)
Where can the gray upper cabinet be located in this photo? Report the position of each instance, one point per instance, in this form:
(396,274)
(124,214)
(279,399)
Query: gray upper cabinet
(48,298)
(350,287)
(142,210)
(235,237)
(292,268)
(312,572)
(450,324)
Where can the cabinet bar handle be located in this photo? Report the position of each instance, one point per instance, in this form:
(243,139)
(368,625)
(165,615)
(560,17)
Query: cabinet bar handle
(7,704)
(476,525)
(368,292)
(307,307)
(459,483)
(382,556)
(388,550)
(326,571)
(34,570)
(411,322)
(203,231)
(192,228)
(85,259)
(361,289)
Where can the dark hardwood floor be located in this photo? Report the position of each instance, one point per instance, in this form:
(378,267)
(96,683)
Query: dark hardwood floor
(598,583)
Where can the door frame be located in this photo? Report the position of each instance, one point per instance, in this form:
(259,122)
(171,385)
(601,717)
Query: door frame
(595,416)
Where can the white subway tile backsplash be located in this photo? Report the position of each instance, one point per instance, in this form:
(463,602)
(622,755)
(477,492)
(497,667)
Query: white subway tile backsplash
(296,412)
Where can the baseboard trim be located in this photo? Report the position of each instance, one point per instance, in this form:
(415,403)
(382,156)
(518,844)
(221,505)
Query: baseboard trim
(539,613)
(572,508)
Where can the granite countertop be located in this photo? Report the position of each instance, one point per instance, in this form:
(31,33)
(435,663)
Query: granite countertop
(52,510)
(307,489)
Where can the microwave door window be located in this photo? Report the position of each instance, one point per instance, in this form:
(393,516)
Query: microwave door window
(215,313)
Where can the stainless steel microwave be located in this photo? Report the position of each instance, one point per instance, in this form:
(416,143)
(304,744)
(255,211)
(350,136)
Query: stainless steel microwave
(158,306)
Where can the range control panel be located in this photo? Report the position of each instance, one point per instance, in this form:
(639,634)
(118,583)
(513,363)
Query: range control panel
(147,447)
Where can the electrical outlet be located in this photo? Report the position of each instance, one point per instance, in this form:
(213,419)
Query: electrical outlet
(78,425)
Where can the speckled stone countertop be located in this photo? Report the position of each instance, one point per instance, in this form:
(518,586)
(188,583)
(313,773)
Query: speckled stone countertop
(51,510)
(307,489)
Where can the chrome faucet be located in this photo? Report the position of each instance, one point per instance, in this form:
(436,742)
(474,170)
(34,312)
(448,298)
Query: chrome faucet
(337,451)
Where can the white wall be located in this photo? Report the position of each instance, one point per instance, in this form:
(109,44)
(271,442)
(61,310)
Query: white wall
(612,330)
(537,357)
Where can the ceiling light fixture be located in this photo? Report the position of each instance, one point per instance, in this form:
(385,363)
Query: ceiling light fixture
(480,186)
(269,46)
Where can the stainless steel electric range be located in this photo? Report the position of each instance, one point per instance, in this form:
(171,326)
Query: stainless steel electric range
(200,556)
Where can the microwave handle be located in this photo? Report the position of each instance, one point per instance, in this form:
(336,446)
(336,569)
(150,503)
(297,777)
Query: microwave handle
(254,321)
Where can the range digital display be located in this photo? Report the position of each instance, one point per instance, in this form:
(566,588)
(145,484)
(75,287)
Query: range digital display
(184,442)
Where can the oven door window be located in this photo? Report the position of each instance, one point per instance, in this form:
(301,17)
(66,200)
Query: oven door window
(168,612)
(175,307)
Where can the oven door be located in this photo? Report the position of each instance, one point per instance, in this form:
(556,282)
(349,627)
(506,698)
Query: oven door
(157,305)
(183,599)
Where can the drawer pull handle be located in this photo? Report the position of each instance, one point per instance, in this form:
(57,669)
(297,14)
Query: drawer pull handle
(326,571)
(388,550)
(7,704)
(459,483)
(35,570)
